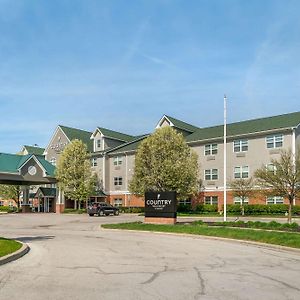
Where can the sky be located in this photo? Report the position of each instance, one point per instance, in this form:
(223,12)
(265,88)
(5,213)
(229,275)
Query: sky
(124,64)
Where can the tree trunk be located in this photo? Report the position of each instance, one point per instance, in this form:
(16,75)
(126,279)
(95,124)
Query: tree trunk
(243,210)
(79,204)
(75,204)
(290,210)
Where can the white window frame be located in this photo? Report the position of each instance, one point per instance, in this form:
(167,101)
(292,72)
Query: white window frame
(211,174)
(94,162)
(98,143)
(118,202)
(118,181)
(186,202)
(238,200)
(271,168)
(240,171)
(210,200)
(53,161)
(274,141)
(274,200)
(240,146)
(118,160)
(210,149)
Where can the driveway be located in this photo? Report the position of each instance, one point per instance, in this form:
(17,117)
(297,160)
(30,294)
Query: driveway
(72,258)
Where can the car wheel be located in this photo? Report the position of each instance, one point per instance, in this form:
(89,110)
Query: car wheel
(101,213)
(116,212)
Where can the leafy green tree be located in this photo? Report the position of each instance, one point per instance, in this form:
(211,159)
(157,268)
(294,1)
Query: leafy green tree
(11,192)
(164,162)
(73,173)
(243,189)
(281,178)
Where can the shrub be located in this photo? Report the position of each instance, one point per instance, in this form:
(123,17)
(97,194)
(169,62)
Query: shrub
(74,211)
(8,208)
(134,210)
(184,208)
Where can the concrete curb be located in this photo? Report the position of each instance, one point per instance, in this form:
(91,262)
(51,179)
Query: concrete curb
(15,255)
(251,243)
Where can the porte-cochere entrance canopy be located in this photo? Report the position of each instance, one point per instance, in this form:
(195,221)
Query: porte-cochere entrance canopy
(25,170)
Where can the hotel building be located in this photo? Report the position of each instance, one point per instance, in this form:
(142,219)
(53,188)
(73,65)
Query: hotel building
(250,145)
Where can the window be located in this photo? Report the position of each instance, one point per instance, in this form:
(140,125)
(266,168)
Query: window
(185,202)
(118,160)
(241,172)
(211,149)
(240,146)
(271,168)
(275,200)
(118,180)
(53,161)
(211,200)
(1,203)
(211,174)
(118,202)
(274,141)
(238,200)
(98,143)
(94,162)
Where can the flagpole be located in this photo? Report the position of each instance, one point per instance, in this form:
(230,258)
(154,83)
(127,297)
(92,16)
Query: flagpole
(225,159)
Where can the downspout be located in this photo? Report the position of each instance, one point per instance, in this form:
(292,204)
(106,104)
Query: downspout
(126,179)
(294,154)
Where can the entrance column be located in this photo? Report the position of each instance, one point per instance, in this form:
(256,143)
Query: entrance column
(25,205)
(60,201)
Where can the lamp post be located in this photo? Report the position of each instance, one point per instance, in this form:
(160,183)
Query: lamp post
(225,158)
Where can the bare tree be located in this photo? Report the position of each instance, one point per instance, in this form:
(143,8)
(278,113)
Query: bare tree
(242,188)
(283,179)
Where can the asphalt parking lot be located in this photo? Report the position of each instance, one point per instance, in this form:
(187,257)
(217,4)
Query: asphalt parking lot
(71,257)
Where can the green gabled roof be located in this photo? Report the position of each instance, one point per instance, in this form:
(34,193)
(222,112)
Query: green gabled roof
(182,125)
(47,192)
(34,150)
(130,146)
(116,135)
(246,127)
(74,133)
(10,163)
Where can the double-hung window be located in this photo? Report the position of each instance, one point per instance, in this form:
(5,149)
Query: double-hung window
(118,180)
(241,172)
(240,146)
(98,143)
(274,141)
(211,200)
(211,149)
(275,200)
(94,162)
(53,161)
(118,160)
(238,200)
(211,174)
(118,202)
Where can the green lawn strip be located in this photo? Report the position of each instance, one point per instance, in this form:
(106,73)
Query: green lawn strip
(288,239)
(8,246)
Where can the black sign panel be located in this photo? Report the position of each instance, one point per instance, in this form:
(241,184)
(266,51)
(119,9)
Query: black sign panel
(161,205)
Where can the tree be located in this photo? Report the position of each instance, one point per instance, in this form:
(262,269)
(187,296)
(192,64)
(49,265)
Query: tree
(11,192)
(74,174)
(164,162)
(281,178)
(242,188)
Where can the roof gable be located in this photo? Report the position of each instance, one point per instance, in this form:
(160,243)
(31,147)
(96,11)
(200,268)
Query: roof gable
(177,124)
(74,133)
(34,150)
(115,135)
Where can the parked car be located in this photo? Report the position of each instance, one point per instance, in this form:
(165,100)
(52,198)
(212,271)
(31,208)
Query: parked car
(101,209)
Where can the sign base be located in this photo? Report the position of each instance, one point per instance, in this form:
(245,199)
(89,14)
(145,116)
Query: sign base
(158,220)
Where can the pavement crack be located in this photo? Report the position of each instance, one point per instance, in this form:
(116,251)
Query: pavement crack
(155,275)
(276,280)
(202,284)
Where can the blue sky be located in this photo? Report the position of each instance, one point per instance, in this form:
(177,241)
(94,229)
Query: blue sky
(123,64)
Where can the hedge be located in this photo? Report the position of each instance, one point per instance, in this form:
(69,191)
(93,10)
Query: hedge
(134,210)
(8,209)
(200,208)
(262,209)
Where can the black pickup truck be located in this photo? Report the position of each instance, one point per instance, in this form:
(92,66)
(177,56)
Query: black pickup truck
(101,209)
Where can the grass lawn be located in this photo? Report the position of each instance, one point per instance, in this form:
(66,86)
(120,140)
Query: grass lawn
(8,246)
(289,239)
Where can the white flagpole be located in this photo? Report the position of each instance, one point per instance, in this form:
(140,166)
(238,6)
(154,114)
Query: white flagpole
(225,159)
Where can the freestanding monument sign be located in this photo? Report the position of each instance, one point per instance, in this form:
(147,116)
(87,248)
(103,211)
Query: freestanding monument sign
(160,207)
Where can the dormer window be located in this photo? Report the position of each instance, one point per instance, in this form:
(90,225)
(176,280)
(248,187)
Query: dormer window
(98,143)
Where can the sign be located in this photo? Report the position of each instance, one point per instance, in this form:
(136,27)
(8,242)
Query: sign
(160,204)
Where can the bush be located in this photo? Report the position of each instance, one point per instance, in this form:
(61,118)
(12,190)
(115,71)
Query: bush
(184,208)
(74,211)
(133,210)
(8,209)
(206,208)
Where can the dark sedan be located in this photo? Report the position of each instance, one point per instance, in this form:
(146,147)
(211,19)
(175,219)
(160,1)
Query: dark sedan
(101,209)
